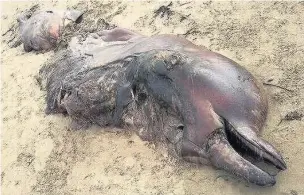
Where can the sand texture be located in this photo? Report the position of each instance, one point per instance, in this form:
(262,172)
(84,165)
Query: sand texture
(41,155)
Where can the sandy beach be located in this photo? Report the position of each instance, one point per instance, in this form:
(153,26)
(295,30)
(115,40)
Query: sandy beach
(40,154)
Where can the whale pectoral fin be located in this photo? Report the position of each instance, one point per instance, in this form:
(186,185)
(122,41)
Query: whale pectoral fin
(123,97)
(117,34)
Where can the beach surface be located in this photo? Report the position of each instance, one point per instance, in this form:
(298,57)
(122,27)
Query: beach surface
(40,154)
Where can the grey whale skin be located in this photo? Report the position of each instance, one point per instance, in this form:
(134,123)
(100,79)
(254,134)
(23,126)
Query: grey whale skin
(206,106)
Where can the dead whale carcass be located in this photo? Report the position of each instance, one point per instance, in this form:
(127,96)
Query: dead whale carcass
(209,107)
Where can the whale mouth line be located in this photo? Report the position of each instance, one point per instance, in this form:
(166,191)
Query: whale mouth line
(255,152)
(242,153)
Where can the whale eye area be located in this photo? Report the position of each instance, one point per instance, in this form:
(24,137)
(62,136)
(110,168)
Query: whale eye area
(180,127)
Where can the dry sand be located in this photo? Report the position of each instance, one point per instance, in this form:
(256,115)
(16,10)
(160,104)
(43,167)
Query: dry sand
(40,155)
